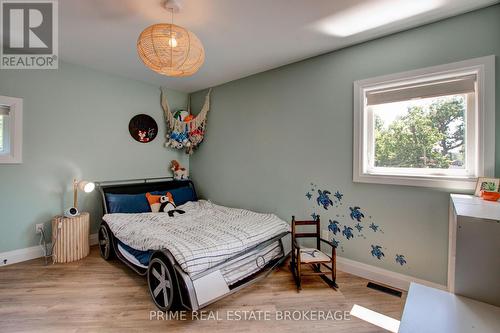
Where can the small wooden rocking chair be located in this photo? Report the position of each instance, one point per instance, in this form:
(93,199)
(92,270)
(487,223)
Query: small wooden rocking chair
(312,256)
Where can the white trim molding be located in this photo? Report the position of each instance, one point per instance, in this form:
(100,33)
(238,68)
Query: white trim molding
(20,255)
(33,252)
(93,239)
(14,155)
(480,131)
(380,275)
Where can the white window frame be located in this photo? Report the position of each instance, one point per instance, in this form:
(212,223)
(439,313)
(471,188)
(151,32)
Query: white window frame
(15,132)
(483,124)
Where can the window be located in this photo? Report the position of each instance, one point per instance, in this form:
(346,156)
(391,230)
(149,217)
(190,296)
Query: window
(2,131)
(11,118)
(431,127)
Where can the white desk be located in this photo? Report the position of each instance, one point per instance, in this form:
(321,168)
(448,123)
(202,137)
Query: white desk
(469,205)
(429,310)
(474,248)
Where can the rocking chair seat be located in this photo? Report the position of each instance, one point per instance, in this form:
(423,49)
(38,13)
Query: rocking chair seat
(310,255)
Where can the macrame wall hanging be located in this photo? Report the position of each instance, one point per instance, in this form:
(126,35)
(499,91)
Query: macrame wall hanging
(185,133)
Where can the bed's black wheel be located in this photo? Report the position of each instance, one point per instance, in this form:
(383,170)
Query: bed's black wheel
(105,243)
(162,284)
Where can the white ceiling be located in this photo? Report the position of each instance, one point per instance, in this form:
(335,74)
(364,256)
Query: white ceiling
(241,37)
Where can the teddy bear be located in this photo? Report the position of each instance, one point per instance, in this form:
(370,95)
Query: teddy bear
(178,170)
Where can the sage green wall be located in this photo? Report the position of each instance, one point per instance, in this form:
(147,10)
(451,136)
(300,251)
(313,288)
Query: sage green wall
(75,125)
(272,134)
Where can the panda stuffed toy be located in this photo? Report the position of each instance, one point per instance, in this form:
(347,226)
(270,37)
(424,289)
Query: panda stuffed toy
(167,205)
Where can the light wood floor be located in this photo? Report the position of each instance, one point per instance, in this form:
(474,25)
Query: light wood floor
(92,295)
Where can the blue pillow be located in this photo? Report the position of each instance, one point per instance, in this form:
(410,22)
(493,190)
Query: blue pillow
(127,203)
(181,195)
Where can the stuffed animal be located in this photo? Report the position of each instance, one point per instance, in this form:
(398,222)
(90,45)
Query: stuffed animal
(174,144)
(167,205)
(178,140)
(178,170)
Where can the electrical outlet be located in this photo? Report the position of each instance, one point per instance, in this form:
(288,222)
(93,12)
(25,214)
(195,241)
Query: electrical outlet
(38,228)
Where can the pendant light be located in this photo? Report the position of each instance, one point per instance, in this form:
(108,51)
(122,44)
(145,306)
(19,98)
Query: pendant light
(170,49)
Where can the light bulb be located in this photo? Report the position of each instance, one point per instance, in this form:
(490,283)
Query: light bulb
(85,186)
(89,187)
(172,42)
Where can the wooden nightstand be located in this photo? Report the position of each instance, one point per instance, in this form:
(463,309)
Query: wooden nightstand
(71,237)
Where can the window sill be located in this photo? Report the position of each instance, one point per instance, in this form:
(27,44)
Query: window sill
(441,182)
(10,159)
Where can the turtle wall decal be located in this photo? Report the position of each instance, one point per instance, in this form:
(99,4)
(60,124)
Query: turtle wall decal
(356,213)
(377,252)
(334,226)
(347,232)
(324,199)
(339,223)
(400,259)
(335,242)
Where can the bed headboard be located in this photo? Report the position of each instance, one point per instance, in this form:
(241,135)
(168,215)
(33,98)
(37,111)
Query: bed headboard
(138,186)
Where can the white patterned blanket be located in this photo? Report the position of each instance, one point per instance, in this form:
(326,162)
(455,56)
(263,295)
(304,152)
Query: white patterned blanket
(206,235)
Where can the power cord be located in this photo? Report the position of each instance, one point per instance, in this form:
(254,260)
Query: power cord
(59,226)
(46,254)
(44,246)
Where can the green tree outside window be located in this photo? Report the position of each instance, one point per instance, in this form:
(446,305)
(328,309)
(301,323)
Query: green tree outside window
(424,137)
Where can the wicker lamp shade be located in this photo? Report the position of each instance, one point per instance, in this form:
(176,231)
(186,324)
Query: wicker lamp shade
(170,50)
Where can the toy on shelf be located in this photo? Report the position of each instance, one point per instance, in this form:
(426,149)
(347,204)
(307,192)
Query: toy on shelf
(178,170)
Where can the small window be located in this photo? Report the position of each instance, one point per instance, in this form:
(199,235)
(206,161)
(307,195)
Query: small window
(11,115)
(427,127)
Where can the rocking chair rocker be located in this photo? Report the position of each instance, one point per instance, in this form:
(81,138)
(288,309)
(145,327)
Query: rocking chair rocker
(312,256)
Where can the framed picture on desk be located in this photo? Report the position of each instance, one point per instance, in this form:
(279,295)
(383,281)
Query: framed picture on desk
(486,184)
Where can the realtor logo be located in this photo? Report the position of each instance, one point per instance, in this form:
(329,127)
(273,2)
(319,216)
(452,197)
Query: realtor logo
(29,31)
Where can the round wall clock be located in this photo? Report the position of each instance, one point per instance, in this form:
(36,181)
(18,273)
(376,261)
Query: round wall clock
(143,128)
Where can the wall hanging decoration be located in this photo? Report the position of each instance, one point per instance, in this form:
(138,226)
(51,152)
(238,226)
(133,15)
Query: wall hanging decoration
(169,49)
(185,132)
(143,128)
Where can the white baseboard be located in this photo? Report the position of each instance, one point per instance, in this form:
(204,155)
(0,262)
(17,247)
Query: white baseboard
(33,252)
(380,275)
(15,256)
(93,239)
